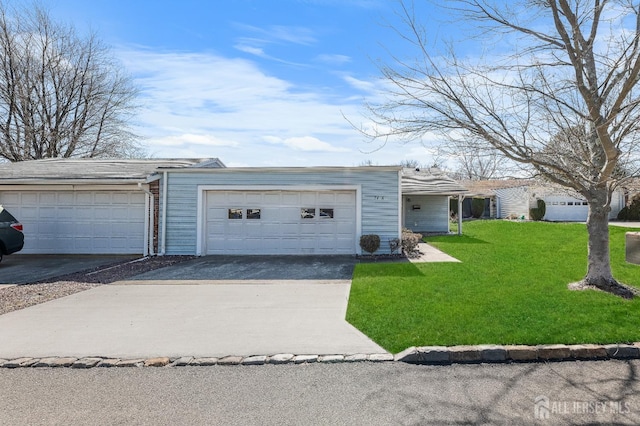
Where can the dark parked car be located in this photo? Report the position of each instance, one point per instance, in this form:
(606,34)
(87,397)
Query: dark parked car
(11,236)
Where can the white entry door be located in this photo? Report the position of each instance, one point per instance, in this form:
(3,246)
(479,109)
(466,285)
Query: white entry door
(280,222)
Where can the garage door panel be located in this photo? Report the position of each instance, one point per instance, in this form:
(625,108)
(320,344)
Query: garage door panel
(290,243)
(326,198)
(24,214)
(104,199)
(82,243)
(116,213)
(85,198)
(10,199)
(310,198)
(115,198)
(308,228)
(345,199)
(66,228)
(82,213)
(343,228)
(344,214)
(291,198)
(291,214)
(271,198)
(47,198)
(79,222)
(281,229)
(66,198)
(325,227)
(254,197)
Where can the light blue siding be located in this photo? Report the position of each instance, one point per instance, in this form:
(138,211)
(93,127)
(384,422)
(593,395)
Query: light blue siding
(379,198)
(431,213)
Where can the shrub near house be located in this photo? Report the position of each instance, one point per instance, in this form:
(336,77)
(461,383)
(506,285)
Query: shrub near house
(537,213)
(370,243)
(632,211)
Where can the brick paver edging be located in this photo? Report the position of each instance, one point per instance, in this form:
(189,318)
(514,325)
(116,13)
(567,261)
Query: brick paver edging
(412,355)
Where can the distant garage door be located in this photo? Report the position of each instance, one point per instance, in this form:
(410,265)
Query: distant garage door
(280,222)
(566,209)
(79,222)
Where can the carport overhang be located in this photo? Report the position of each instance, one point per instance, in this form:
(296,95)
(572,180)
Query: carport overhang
(459,195)
(416,183)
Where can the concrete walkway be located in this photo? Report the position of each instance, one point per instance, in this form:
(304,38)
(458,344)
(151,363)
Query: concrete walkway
(185,317)
(429,254)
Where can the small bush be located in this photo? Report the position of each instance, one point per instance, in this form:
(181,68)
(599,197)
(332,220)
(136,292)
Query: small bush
(370,243)
(410,241)
(537,213)
(632,211)
(624,213)
(477,207)
(394,245)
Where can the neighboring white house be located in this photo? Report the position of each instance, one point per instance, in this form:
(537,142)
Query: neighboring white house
(513,198)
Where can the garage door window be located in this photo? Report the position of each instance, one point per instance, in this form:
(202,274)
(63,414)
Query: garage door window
(326,213)
(253,213)
(235,213)
(307,213)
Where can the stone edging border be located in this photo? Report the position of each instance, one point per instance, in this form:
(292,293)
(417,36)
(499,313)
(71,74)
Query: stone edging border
(432,355)
(516,353)
(90,362)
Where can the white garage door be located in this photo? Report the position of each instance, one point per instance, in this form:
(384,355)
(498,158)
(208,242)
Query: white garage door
(280,222)
(79,222)
(566,209)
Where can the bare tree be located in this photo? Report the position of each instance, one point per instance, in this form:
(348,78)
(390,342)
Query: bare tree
(61,95)
(474,163)
(569,64)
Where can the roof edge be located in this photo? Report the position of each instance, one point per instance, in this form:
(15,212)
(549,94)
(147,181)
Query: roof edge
(279,169)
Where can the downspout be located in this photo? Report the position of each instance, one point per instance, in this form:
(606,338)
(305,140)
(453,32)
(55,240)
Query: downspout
(149,200)
(460,199)
(400,205)
(163,245)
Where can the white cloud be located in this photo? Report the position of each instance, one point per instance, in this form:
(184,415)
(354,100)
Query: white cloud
(362,85)
(257,51)
(305,143)
(333,59)
(192,139)
(278,34)
(207,105)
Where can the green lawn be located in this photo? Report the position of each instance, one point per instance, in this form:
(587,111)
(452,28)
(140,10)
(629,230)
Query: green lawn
(511,288)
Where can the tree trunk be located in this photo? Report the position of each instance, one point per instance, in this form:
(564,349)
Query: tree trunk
(599,263)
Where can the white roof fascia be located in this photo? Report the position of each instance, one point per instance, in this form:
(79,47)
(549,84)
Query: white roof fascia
(359,169)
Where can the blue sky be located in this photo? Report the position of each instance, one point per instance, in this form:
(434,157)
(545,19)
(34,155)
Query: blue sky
(252,82)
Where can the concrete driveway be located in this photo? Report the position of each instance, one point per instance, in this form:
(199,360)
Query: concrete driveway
(24,268)
(247,268)
(260,306)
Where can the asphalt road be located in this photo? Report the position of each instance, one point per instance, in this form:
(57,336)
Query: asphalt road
(600,392)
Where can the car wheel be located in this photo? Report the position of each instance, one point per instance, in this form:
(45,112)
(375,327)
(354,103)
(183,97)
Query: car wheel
(0,256)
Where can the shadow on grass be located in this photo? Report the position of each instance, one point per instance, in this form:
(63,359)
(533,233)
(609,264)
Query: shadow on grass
(456,239)
(387,269)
